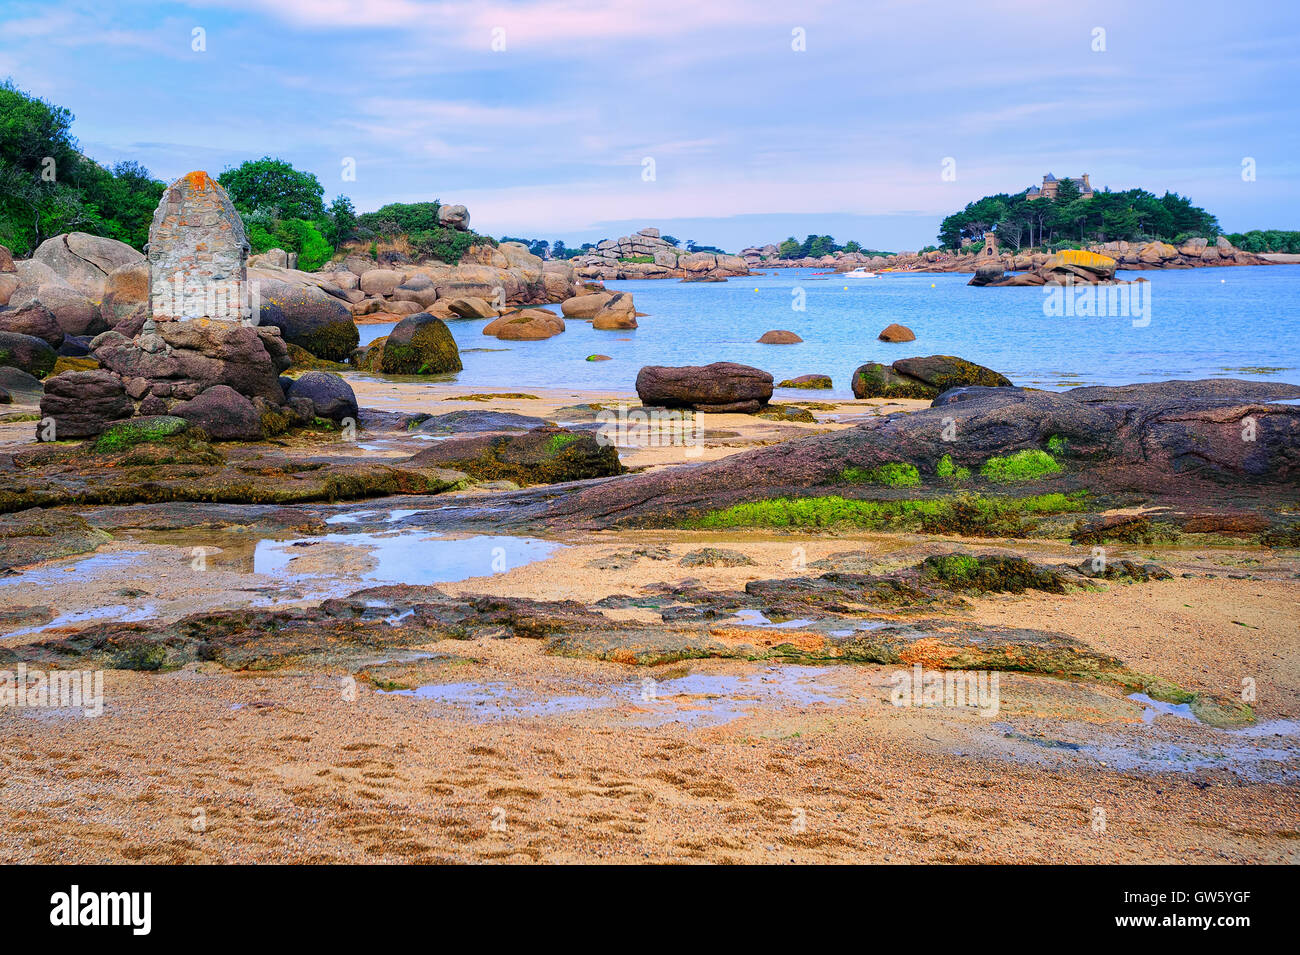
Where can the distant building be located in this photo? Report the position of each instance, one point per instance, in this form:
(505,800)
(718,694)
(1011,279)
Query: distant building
(1051,184)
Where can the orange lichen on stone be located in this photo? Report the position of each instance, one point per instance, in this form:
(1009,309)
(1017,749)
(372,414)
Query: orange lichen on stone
(198,179)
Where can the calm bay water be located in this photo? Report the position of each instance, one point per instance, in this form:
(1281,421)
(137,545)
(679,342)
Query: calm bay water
(1205,323)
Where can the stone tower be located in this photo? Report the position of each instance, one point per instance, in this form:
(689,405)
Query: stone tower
(990,244)
(198,254)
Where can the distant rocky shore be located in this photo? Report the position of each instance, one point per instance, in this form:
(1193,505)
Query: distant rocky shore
(1131,256)
(646,255)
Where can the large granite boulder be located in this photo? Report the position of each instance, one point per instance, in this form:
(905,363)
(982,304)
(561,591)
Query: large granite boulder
(585,306)
(84,261)
(126,298)
(720,387)
(453,217)
(22,388)
(27,353)
(84,403)
(75,313)
(779,336)
(925,377)
(307,316)
(617,314)
(331,397)
(529,324)
(420,345)
(32,319)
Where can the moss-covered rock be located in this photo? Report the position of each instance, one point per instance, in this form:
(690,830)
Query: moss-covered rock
(420,345)
(133,431)
(545,455)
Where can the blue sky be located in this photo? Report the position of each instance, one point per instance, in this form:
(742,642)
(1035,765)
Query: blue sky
(752,140)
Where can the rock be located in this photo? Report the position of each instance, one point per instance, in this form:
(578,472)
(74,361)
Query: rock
(990,273)
(618,313)
(475,421)
(126,293)
(9,284)
(133,431)
(453,217)
(545,455)
(307,316)
(330,395)
(471,307)
(381,281)
(6,260)
(32,319)
(83,261)
(223,413)
(874,380)
(84,403)
(73,363)
(715,557)
(585,306)
(420,345)
(1071,266)
(26,353)
(897,333)
(198,254)
(185,358)
(22,388)
(598,358)
(942,372)
(1166,439)
(811,382)
(418,290)
(75,313)
(719,387)
(779,337)
(40,534)
(274,258)
(529,324)
(1154,253)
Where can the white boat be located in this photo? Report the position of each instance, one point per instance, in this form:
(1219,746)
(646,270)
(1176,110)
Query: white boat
(861,274)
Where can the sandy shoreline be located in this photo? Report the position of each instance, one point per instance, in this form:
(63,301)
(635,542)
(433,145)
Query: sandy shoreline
(512,754)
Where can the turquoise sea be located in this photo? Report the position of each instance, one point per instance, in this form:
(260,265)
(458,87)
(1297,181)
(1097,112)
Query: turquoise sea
(1204,323)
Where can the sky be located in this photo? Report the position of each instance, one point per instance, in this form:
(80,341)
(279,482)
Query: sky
(730,122)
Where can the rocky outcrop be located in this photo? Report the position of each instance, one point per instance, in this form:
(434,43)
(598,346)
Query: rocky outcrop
(779,337)
(1181,442)
(717,388)
(585,306)
(921,377)
(183,359)
(646,255)
(223,413)
(1070,267)
(83,262)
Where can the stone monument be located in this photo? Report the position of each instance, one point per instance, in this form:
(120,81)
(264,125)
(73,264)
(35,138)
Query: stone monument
(198,254)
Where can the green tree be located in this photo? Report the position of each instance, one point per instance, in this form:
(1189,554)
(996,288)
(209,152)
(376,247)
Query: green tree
(342,221)
(275,185)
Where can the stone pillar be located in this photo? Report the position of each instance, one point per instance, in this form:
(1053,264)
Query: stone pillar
(198,254)
(990,244)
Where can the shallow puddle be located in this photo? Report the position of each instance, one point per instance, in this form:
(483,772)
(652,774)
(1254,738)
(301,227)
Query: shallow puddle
(396,557)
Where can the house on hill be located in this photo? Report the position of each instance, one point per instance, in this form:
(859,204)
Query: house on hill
(1051,184)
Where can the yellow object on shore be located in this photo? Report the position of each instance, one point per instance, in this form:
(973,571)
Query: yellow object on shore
(1081,258)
